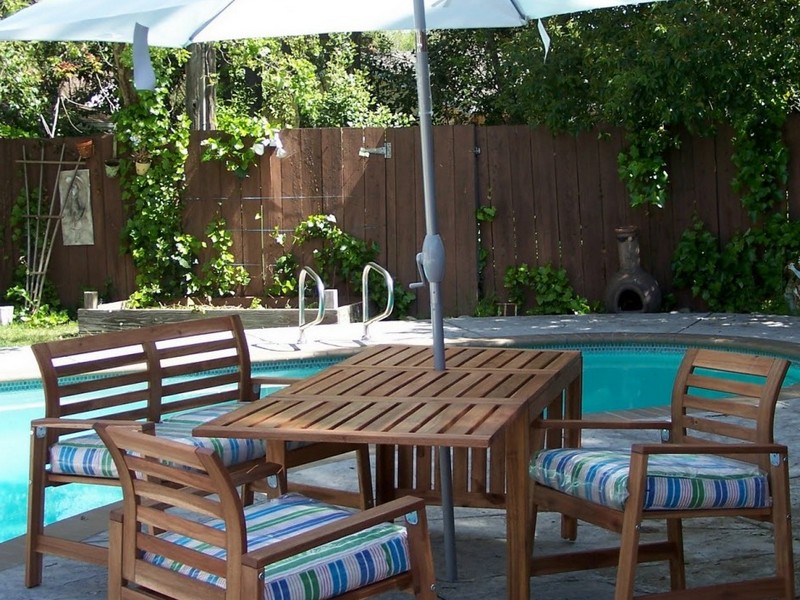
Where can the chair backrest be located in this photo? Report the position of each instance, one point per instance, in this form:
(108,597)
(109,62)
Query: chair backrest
(147,372)
(722,396)
(173,487)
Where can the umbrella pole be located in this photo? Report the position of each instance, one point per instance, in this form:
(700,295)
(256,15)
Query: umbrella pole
(433,266)
(432,247)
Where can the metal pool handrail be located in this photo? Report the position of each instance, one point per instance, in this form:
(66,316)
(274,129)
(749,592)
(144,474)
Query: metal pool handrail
(365,296)
(301,303)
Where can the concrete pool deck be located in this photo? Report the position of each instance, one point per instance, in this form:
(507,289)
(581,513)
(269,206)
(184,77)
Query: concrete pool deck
(712,548)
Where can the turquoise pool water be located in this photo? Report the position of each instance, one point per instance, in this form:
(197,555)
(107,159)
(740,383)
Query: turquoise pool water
(615,377)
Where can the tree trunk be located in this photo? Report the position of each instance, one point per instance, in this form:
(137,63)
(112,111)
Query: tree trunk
(201,95)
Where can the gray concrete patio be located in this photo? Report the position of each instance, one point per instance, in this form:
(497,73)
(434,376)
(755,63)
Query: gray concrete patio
(713,552)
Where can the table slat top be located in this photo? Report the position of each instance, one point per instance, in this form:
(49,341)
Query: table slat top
(392,395)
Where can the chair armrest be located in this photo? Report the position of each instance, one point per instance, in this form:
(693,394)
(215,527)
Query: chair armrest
(722,449)
(590,424)
(256,472)
(258,559)
(80,424)
(275,380)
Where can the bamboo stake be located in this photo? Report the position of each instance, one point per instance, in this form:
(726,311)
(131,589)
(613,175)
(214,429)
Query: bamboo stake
(27,224)
(49,245)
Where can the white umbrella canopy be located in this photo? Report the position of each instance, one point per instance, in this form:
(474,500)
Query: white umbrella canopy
(183,22)
(175,23)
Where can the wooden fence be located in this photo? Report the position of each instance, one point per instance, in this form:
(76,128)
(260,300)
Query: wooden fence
(558,200)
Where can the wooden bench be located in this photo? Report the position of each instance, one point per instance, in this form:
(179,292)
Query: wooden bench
(175,375)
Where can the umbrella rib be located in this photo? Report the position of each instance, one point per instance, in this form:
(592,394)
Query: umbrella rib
(522,15)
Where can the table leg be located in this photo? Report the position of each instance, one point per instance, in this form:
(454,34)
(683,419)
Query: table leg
(518,527)
(448,514)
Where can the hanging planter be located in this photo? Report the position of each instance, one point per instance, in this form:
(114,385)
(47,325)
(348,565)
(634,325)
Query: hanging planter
(85,148)
(112,167)
(141,159)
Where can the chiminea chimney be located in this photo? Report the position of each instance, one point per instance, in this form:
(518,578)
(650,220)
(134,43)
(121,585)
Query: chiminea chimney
(631,289)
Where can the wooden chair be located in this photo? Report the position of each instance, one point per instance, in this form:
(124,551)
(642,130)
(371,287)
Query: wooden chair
(719,459)
(183,532)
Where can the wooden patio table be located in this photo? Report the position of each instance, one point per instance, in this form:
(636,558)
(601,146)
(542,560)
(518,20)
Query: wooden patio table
(390,395)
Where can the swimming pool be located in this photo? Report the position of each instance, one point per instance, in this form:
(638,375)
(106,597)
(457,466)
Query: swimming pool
(619,376)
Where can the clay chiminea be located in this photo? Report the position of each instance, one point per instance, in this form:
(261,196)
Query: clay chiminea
(631,289)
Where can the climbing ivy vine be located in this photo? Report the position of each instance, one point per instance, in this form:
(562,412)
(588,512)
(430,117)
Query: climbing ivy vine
(163,254)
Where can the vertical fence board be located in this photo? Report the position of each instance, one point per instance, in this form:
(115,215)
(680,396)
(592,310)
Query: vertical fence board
(311,175)
(522,193)
(732,217)
(402,214)
(545,198)
(102,247)
(374,229)
(423,303)
(465,235)
(118,279)
(792,139)
(705,183)
(271,218)
(499,167)
(390,249)
(353,179)
(591,213)
(8,196)
(489,281)
(615,198)
(251,230)
(291,186)
(569,216)
(445,208)
(332,202)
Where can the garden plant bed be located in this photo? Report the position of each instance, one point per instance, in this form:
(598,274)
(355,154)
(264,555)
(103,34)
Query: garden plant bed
(114,316)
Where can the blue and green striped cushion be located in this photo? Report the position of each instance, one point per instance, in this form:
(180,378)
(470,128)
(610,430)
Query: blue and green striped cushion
(674,481)
(204,414)
(323,572)
(87,455)
(198,416)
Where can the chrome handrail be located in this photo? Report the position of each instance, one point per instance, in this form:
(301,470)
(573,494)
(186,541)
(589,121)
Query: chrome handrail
(301,303)
(365,296)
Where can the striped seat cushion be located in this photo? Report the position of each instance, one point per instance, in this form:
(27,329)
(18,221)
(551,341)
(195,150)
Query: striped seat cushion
(674,481)
(199,416)
(87,455)
(323,572)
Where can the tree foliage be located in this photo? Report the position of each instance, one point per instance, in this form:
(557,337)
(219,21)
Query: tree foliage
(654,70)
(309,81)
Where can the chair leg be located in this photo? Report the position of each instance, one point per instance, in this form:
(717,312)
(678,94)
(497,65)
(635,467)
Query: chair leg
(628,559)
(252,586)
(114,559)
(419,550)
(276,452)
(677,569)
(36,499)
(533,511)
(782,527)
(631,525)
(364,468)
